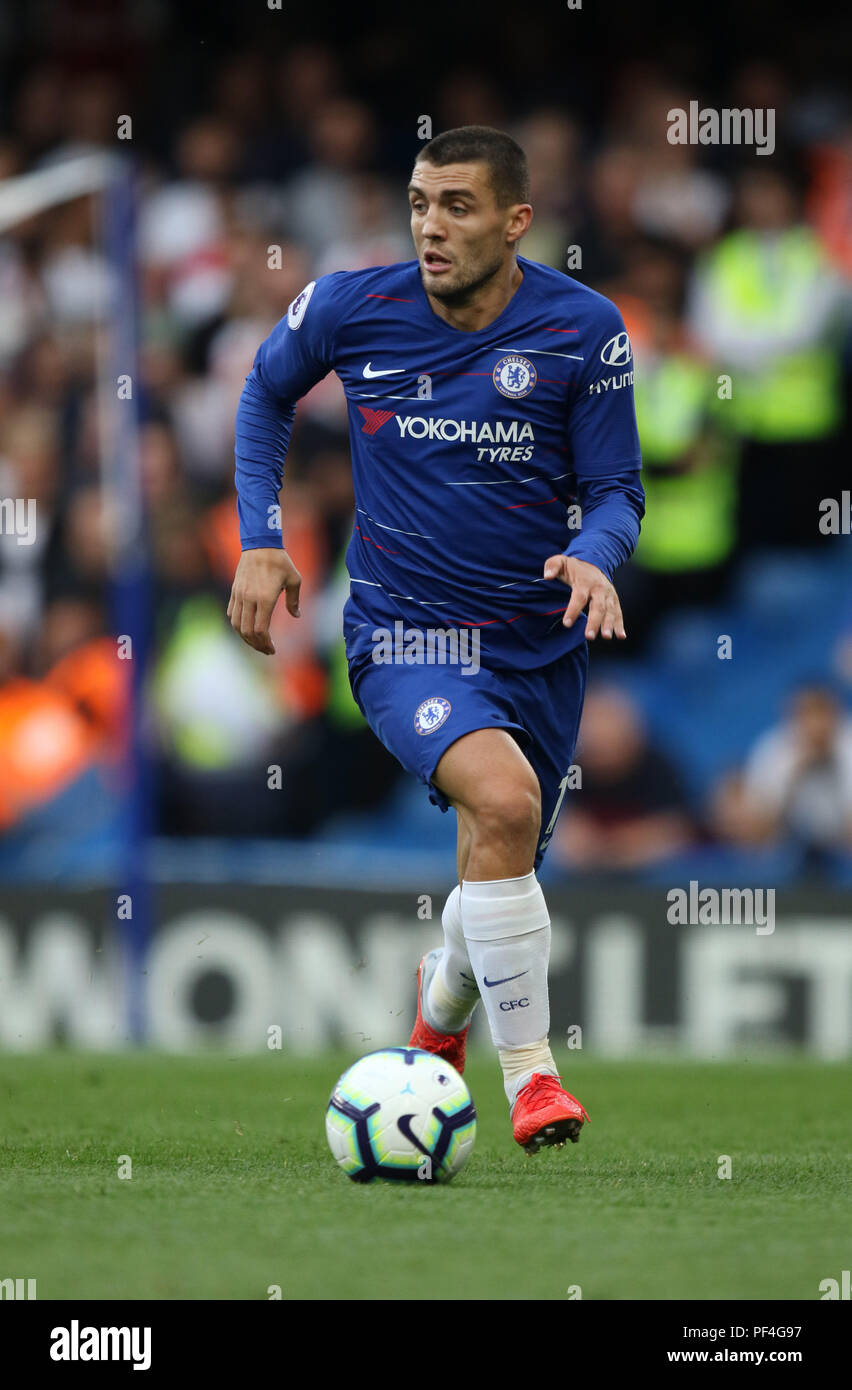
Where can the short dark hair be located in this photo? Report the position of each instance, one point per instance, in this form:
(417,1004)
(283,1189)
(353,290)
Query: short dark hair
(507,163)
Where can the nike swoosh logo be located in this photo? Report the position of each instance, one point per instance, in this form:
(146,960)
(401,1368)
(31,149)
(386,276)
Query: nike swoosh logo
(492,983)
(386,371)
(403,1124)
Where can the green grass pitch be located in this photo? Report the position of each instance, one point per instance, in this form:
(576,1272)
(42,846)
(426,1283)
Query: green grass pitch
(233,1188)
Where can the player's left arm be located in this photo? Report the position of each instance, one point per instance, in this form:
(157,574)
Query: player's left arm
(606,457)
(612,509)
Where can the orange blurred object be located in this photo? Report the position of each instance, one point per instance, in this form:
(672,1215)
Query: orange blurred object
(45,744)
(96,681)
(830,202)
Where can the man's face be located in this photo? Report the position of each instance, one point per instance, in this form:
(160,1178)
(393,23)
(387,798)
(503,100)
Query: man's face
(461,236)
(815,718)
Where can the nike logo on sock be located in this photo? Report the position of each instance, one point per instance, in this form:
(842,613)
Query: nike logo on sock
(505,981)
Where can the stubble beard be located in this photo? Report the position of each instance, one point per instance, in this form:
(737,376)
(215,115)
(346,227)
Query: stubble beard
(461,294)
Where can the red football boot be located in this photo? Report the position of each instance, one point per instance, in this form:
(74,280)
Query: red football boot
(545,1114)
(451,1046)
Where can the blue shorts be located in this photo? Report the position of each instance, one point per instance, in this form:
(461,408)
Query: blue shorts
(418,711)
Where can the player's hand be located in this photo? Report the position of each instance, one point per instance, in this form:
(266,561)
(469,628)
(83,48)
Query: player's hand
(589,585)
(261,575)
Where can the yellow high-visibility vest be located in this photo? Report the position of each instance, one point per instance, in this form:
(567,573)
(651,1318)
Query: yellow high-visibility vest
(792,397)
(690,517)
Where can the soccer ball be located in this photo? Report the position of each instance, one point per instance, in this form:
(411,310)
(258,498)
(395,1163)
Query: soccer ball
(401,1114)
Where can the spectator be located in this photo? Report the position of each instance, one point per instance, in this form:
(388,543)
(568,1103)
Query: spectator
(321,199)
(765,308)
(690,464)
(182,233)
(797,782)
(630,810)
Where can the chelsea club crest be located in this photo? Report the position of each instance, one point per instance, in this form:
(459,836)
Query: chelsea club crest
(431,714)
(514,376)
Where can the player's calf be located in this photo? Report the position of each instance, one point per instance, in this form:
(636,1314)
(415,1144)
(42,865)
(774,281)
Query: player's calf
(507,931)
(450,1045)
(452,991)
(506,926)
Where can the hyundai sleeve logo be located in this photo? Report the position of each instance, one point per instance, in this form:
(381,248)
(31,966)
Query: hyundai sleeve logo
(617,352)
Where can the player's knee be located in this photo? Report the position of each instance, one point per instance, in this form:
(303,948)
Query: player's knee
(510,811)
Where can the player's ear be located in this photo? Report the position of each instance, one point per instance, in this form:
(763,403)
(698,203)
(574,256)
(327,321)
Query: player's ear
(521,215)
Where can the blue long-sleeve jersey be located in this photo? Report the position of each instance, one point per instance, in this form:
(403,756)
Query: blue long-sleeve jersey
(475,456)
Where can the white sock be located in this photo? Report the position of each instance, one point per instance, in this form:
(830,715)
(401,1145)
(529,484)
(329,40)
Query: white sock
(453,992)
(507,932)
(520,1063)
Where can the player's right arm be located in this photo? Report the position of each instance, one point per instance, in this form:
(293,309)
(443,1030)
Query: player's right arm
(297,354)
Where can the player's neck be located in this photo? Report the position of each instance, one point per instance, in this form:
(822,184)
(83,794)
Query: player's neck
(485,304)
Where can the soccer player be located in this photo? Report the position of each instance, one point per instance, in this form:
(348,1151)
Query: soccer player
(489,397)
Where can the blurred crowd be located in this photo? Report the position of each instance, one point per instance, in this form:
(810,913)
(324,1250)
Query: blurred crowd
(732,272)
